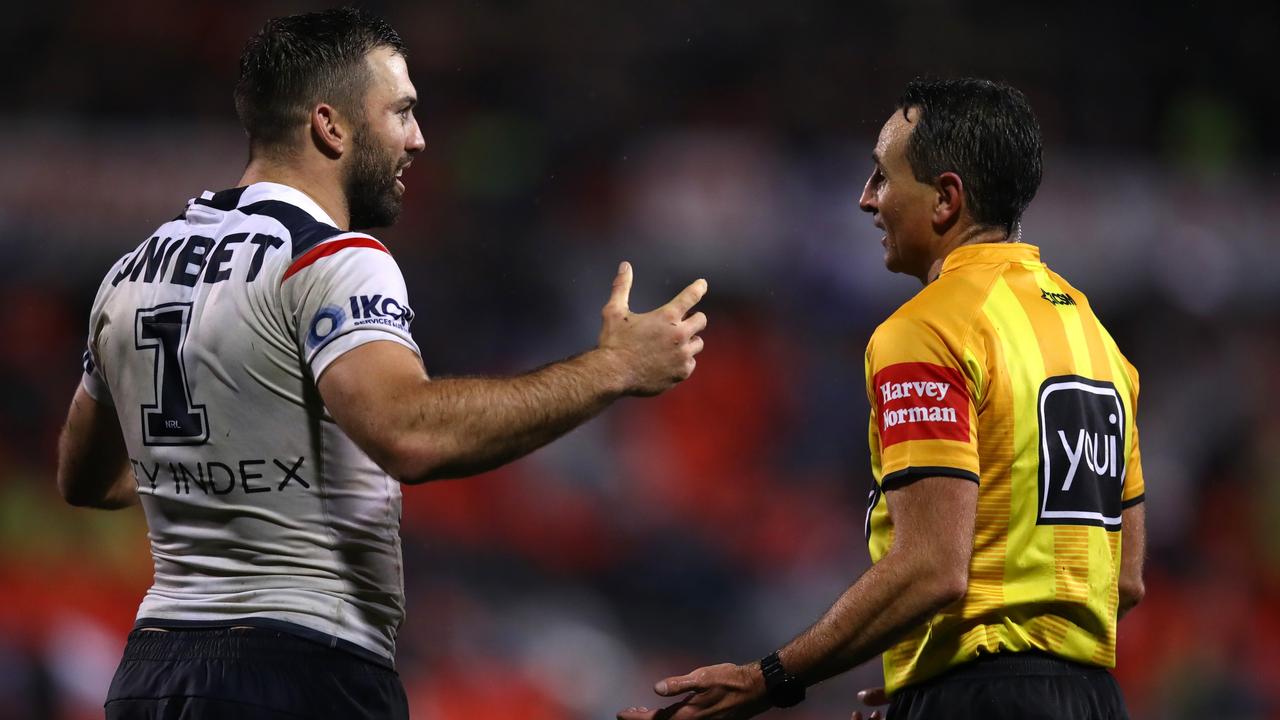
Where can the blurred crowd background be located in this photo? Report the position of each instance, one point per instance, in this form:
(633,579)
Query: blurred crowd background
(722,140)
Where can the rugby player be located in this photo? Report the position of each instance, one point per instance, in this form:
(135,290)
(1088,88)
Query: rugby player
(1006,523)
(250,378)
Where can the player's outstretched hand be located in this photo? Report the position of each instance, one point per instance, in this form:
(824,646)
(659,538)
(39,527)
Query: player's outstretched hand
(873,697)
(654,350)
(716,692)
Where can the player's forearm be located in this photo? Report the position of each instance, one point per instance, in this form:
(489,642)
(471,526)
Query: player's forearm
(93,468)
(91,492)
(897,594)
(464,426)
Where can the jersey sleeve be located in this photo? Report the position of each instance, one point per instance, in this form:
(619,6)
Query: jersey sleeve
(343,293)
(923,421)
(1134,490)
(94,379)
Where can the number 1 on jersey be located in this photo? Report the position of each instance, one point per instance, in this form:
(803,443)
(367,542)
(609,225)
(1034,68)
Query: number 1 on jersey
(174,419)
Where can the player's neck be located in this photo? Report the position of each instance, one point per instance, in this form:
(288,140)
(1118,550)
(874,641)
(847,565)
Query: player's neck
(326,191)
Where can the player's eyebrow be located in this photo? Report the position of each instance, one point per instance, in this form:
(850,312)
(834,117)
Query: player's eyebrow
(875,157)
(409,100)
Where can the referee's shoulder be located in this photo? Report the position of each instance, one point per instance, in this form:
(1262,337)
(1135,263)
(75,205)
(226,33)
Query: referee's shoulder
(945,306)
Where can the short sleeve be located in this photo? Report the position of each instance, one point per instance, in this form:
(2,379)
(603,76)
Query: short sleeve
(94,379)
(922,413)
(1134,490)
(344,293)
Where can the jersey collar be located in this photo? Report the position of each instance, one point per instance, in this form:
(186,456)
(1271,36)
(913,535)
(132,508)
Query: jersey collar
(239,197)
(990,253)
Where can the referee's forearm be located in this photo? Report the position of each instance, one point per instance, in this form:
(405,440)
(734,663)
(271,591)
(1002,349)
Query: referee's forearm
(897,594)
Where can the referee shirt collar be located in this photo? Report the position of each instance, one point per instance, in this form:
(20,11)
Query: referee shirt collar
(990,253)
(227,200)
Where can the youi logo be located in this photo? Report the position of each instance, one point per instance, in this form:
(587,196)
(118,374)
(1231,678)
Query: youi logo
(1082,452)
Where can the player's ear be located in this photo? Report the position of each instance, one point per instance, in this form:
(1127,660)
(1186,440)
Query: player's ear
(327,130)
(949,201)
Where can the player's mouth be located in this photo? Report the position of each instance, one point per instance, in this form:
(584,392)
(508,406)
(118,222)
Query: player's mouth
(399,172)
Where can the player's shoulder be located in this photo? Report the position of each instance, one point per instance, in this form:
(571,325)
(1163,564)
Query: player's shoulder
(305,230)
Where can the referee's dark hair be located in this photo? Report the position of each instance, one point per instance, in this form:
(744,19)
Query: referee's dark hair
(297,61)
(983,131)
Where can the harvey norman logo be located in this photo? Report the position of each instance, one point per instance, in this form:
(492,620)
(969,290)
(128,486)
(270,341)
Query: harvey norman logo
(921,401)
(924,391)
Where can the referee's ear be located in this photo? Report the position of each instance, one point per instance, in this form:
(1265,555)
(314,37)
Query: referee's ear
(949,200)
(328,130)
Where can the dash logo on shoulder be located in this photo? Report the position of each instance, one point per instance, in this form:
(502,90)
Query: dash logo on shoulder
(921,401)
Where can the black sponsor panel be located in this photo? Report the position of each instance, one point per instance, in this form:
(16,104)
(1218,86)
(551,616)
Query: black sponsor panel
(1082,458)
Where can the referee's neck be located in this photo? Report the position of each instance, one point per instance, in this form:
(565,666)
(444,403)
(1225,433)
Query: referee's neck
(969,235)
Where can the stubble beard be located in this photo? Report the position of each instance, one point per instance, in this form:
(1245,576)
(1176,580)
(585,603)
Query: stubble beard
(370,184)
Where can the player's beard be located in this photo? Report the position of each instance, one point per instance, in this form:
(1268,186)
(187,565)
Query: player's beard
(370,183)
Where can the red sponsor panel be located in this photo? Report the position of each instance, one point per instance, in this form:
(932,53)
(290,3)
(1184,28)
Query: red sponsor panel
(921,401)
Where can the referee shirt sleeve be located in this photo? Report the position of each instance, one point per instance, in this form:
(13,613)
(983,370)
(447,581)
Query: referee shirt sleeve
(922,413)
(1134,490)
(343,293)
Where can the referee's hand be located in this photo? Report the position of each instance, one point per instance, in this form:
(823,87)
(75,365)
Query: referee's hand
(873,697)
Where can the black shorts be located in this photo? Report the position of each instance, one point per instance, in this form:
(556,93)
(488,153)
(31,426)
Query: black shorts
(247,674)
(1025,686)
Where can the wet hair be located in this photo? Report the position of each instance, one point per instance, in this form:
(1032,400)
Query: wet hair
(983,131)
(295,62)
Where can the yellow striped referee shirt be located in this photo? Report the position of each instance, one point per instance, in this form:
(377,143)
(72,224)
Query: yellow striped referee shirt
(998,372)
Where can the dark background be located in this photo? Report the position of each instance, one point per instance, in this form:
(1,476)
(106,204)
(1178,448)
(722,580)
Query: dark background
(725,140)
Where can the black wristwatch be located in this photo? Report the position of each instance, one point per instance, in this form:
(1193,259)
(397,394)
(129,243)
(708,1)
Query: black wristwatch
(783,688)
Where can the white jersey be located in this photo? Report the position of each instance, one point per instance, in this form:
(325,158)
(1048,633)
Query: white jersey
(208,339)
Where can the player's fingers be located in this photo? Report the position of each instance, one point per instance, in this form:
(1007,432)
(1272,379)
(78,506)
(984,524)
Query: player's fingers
(620,297)
(637,713)
(688,297)
(696,323)
(873,696)
(676,685)
(695,344)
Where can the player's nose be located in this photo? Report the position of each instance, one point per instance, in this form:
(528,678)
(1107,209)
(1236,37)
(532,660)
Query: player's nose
(416,142)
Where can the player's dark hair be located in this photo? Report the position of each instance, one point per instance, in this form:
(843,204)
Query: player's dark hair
(297,61)
(983,131)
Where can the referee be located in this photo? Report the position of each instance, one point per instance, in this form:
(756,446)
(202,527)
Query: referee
(251,380)
(1006,523)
